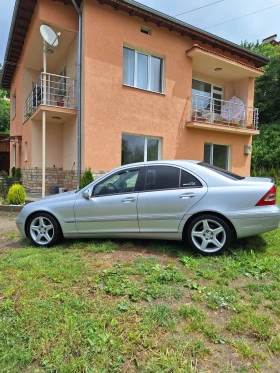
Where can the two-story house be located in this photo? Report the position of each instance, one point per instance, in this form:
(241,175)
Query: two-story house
(152,88)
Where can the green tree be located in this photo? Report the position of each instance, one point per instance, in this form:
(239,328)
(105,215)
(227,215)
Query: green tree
(267,87)
(4,113)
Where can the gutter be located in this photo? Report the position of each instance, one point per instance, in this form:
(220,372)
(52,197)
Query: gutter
(14,19)
(79,93)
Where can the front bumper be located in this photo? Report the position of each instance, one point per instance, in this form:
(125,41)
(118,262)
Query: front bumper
(20,224)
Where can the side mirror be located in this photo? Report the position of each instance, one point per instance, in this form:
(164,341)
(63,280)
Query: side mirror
(86,194)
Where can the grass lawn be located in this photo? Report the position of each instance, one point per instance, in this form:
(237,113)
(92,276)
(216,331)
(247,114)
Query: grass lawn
(147,307)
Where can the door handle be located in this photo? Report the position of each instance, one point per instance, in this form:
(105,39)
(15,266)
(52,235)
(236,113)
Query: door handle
(128,199)
(187,195)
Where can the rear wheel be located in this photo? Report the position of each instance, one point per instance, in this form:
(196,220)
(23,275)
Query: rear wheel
(208,234)
(43,230)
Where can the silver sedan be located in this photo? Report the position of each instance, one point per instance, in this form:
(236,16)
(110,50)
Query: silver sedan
(205,206)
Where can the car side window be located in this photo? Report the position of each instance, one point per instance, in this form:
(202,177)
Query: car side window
(121,182)
(161,177)
(189,181)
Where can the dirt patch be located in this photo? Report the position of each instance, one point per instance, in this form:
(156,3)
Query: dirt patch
(7,221)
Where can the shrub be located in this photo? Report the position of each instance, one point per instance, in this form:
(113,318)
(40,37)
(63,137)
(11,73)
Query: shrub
(17,174)
(16,195)
(6,182)
(87,178)
(13,172)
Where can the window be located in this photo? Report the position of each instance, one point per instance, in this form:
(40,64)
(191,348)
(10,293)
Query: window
(229,175)
(25,151)
(217,155)
(139,149)
(161,177)
(207,96)
(146,30)
(14,150)
(189,181)
(14,104)
(122,182)
(142,70)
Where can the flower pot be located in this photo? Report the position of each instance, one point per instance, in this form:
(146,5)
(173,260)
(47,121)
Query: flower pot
(60,103)
(250,127)
(219,122)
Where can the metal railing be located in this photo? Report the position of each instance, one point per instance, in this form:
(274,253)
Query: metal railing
(220,112)
(51,90)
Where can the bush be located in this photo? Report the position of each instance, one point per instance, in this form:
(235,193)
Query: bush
(6,182)
(87,178)
(16,195)
(17,174)
(13,172)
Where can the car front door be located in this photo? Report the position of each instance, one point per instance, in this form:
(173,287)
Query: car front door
(168,193)
(111,207)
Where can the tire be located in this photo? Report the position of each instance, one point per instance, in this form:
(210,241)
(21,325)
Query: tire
(208,235)
(43,230)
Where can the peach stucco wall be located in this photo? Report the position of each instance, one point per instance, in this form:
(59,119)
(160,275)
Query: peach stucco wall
(111,109)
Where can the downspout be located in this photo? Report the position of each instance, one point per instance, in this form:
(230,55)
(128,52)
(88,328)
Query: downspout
(79,93)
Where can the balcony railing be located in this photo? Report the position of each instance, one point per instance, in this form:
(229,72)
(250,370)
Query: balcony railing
(224,113)
(51,90)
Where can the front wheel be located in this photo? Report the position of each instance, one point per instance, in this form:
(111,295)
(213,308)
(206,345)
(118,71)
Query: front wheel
(208,234)
(43,230)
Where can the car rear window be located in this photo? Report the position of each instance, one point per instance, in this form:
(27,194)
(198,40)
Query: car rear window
(221,171)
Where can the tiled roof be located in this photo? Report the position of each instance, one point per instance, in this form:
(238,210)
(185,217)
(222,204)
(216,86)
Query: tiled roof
(196,46)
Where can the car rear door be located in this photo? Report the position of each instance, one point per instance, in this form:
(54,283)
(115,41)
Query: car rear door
(168,192)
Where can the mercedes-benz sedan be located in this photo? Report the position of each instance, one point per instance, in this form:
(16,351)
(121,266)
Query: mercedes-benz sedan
(193,201)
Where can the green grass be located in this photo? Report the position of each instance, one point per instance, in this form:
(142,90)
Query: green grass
(100,306)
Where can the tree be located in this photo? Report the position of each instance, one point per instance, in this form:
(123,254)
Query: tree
(4,113)
(4,110)
(267,87)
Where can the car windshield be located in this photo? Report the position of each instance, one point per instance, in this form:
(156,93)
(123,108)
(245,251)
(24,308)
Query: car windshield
(221,171)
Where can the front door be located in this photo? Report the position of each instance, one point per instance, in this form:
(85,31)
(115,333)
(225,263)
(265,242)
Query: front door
(169,192)
(112,205)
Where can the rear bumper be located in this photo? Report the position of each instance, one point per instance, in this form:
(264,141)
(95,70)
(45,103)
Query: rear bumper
(255,221)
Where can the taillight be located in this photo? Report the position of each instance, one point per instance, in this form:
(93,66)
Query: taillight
(269,198)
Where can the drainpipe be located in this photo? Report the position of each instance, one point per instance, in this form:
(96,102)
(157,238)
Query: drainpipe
(79,93)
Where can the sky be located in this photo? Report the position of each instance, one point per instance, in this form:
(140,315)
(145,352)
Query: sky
(252,28)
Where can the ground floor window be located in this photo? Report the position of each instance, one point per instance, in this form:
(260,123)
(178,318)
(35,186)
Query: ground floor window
(139,149)
(217,155)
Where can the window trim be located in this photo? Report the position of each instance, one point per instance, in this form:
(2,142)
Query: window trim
(145,145)
(25,151)
(138,182)
(149,54)
(211,154)
(14,105)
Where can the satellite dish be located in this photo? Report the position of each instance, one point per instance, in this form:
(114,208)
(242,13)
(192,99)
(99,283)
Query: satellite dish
(49,35)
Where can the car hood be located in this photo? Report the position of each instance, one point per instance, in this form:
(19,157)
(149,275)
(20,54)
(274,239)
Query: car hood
(56,198)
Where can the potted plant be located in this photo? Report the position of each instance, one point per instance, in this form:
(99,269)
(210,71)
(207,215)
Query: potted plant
(60,97)
(250,127)
(219,120)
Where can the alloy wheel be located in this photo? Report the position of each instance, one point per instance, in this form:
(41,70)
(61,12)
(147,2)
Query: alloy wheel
(208,236)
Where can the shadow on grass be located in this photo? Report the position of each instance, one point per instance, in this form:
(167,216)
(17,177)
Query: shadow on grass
(254,243)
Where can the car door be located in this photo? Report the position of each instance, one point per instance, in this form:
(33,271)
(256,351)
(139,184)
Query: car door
(111,207)
(168,193)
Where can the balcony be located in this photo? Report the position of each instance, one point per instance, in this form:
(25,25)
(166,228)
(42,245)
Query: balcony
(53,91)
(219,115)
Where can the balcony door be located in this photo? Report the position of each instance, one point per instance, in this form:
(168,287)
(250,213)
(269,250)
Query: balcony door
(207,96)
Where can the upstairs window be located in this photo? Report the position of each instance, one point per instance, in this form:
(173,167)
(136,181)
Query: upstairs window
(14,105)
(142,70)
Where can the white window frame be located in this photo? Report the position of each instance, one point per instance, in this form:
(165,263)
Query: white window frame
(228,154)
(25,151)
(14,105)
(14,155)
(150,55)
(212,88)
(146,138)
